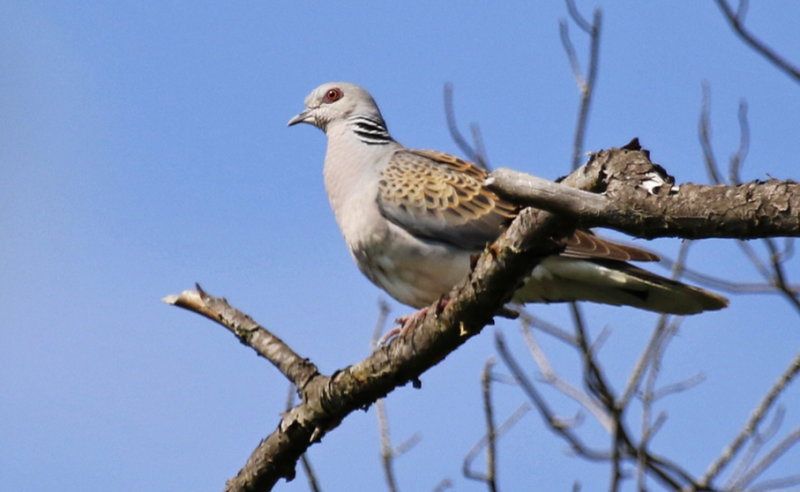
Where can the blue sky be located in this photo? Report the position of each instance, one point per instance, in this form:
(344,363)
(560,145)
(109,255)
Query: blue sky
(144,147)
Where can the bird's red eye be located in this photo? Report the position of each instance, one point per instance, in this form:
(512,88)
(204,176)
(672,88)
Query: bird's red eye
(333,95)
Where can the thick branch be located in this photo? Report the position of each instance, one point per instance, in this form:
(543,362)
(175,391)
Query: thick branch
(327,400)
(623,174)
(639,198)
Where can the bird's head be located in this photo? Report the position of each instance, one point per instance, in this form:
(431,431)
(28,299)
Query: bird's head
(337,102)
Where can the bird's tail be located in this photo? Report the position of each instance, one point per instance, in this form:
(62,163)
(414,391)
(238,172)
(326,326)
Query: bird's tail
(558,279)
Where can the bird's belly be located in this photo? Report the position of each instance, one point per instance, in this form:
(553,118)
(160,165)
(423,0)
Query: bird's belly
(412,270)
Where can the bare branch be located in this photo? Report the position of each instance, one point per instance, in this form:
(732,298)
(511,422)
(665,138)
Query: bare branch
(771,457)
(387,456)
(304,461)
(297,369)
(744,145)
(779,277)
(704,131)
(717,283)
(776,484)
(585,85)
(380,323)
(327,400)
(754,447)
(640,199)
(541,405)
(489,441)
(752,423)
(471,153)
(644,360)
(736,20)
(578,18)
(443,485)
(507,424)
(552,378)
(548,328)
(679,387)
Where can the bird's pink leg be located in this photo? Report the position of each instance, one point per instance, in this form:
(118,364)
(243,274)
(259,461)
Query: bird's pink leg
(408,321)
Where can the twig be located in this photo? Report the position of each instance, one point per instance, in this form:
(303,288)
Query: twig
(776,484)
(585,85)
(744,145)
(552,378)
(752,423)
(387,456)
(541,404)
(756,443)
(304,461)
(784,445)
(704,132)
(779,277)
(717,283)
(490,439)
(297,369)
(452,125)
(736,20)
(679,387)
(444,484)
(548,328)
(651,357)
(507,424)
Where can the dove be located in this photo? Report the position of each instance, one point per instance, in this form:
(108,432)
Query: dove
(412,220)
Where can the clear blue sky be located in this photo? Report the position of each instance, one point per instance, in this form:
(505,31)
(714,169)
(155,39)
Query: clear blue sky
(143,147)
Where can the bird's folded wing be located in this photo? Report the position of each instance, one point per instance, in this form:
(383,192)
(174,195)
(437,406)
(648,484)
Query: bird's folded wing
(441,197)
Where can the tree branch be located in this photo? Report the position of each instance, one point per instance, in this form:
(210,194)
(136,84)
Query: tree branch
(326,400)
(652,205)
(639,198)
(736,20)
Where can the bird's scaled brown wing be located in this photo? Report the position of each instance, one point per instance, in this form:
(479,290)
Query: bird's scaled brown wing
(441,197)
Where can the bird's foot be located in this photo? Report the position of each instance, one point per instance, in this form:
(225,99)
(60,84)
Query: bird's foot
(408,321)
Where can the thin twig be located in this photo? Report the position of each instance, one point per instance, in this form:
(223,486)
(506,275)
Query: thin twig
(541,404)
(298,370)
(776,484)
(380,323)
(548,328)
(704,132)
(779,276)
(679,387)
(752,423)
(744,145)
(387,454)
(756,443)
(736,20)
(717,283)
(491,437)
(578,18)
(499,431)
(304,461)
(771,457)
(455,134)
(552,378)
(585,85)
(445,483)
(480,148)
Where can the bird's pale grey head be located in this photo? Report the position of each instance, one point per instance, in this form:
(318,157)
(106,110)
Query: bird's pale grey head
(337,102)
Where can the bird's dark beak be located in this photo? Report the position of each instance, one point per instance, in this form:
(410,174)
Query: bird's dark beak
(303,117)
